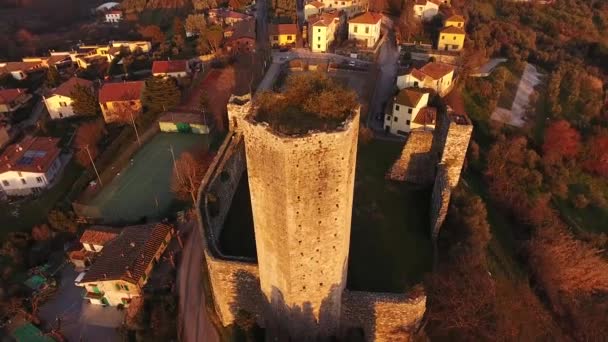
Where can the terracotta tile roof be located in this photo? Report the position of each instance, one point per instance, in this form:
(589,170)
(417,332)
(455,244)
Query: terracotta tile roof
(418,74)
(453,30)
(456,18)
(408,97)
(124,91)
(316,4)
(281,29)
(31,154)
(58,59)
(324,19)
(19,66)
(128,255)
(9,95)
(420,2)
(436,70)
(164,67)
(99,235)
(66,88)
(175,117)
(369,18)
(244,29)
(426,116)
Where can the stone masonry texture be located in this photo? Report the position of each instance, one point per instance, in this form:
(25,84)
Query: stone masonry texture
(302,195)
(416,164)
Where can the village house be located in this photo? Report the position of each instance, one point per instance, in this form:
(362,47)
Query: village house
(282,34)
(409,111)
(30,166)
(59,101)
(120,101)
(451,37)
(322,30)
(122,268)
(94,238)
(313,8)
(113,16)
(243,36)
(226,16)
(11,100)
(132,45)
(20,70)
(176,68)
(425,9)
(56,61)
(365,28)
(350,7)
(434,75)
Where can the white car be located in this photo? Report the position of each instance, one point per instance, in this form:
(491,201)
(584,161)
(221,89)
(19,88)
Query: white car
(352,63)
(79,279)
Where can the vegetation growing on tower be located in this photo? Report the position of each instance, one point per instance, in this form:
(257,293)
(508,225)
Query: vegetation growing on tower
(310,101)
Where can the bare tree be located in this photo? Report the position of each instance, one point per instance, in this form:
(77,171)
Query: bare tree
(188,173)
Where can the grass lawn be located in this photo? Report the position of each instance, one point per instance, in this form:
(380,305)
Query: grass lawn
(144,187)
(23,215)
(591,219)
(511,84)
(390,246)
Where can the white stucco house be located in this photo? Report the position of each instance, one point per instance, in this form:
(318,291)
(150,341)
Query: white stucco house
(59,101)
(366,28)
(30,166)
(409,111)
(323,30)
(425,9)
(114,16)
(313,8)
(434,75)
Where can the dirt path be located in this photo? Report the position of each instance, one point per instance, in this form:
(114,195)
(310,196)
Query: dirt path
(516,115)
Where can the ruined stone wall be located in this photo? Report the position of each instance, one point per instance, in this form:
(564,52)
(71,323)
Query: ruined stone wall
(302,196)
(383,316)
(455,150)
(234,280)
(416,163)
(440,200)
(238,108)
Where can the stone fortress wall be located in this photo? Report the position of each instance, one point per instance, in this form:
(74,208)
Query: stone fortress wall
(235,281)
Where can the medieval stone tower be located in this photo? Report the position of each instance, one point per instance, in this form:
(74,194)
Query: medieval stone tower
(302,195)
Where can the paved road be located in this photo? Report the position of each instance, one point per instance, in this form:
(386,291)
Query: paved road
(80,321)
(387,64)
(195,324)
(305,53)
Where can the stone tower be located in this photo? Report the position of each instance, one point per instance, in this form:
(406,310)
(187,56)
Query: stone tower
(302,196)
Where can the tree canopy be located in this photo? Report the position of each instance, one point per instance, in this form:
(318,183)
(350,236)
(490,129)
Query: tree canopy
(161,94)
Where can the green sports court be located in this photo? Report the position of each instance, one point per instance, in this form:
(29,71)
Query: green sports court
(143,188)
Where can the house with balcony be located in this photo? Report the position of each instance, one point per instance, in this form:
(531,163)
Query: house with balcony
(11,100)
(30,166)
(322,30)
(123,267)
(365,28)
(433,75)
(409,111)
(59,101)
(282,34)
(121,102)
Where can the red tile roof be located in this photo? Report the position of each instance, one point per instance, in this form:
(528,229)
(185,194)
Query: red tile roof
(316,4)
(67,87)
(20,66)
(128,255)
(125,91)
(453,30)
(31,154)
(436,70)
(409,97)
(369,18)
(324,19)
(281,29)
(98,235)
(244,29)
(164,67)
(426,116)
(456,17)
(9,95)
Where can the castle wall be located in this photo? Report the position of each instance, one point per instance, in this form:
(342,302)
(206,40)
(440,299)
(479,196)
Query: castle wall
(416,163)
(302,195)
(383,316)
(234,281)
(440,200)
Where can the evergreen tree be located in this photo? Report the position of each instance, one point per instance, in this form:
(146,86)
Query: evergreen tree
(84,101)
(53,79)
(161,94)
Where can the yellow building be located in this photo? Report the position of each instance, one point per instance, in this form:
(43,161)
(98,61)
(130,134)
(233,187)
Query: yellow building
(322,30)
(282,34)
(451,37)
(118,101)
(123,267)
